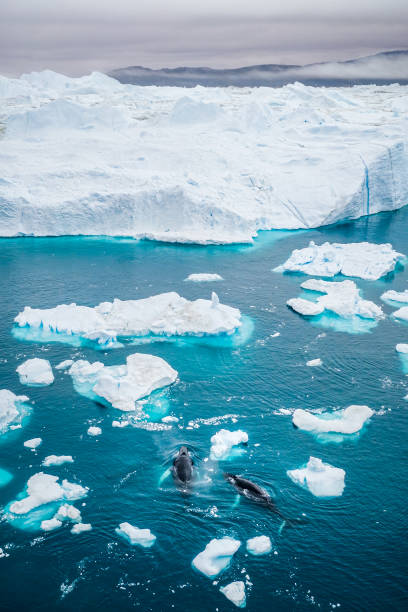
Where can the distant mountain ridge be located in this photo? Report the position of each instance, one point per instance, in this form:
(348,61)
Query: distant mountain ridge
(380,69)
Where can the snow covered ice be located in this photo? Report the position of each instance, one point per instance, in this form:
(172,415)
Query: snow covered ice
(94,431)
(400,297)
(321,479)
(214,166)
(33,443)
(166,314)
(401,313)
(224,440)
(57,460)
(314,363)
(360,259)
(347,421)
(12,410)
(260,545)
(235,592)
(216,556)
(134,535)
(35,372)
(64,365)
(80,528)
(203,278)
(122,386)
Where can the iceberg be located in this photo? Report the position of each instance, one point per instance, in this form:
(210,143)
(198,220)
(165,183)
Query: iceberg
(50,524)
(401,313)
(402,348)
(347,421)
(43,489)
(80,528)
(65,512)
(314,363)
(359,259)
(340,306)
(64,365)
(33,443)
(94,431)
(235,592)
(13,410)
(224,440)
(166,314)
(134,535)
(57,460)
(211,167)
(400,297)
(321,479)
(203,278)
(35,373)
(122,386)
(260,545)
(216,556)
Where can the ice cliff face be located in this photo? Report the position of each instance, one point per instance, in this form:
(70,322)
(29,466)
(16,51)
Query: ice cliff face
(92,156)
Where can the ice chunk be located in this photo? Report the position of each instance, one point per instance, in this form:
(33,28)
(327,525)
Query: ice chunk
(401,313)
(35,372)
(134,535)
(64,365)
(305,307)
(347,421)
(166,314)
(80,527)
(43,489)
(57,460)
(360,259)
(94,431)
(235,592)
(401,297)
(122,386)
(12,410)
(223,441)
(321,479)
(203,278)
(402,348)
(216,556)
(33,443)
(260,545)
(67,511)
(314,362)
(50,524)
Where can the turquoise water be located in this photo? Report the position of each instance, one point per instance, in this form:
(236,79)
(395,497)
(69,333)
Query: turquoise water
(353,549)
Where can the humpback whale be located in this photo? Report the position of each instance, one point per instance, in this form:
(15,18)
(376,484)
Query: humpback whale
(252,491)
(183,466)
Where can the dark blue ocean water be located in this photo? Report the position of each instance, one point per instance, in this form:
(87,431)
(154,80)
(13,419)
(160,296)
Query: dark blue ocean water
(352,551)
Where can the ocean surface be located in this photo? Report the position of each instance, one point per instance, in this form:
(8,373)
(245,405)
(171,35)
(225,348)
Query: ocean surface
(350,554)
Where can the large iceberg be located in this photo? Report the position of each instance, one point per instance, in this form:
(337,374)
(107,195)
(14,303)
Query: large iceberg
(216,556)
(122,386)
(347,421)
(360,259)
(13,409)
(166,314)
(321,479)
(339,306)
(36,373)
(214,166)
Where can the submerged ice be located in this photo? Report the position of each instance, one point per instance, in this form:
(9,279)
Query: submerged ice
(321,479)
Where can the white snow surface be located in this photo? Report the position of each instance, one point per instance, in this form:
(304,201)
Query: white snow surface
(321,479)
(57,460)
(91,156)
(401,313)
(260,545)
(235,592)
(342,298)
(223,441)
(216,556)
(43,489)
(80,527)
(33,443)
(122,386)
(359,259)
(314,362)
(166,314)
(347,421)
(203,278)
(51,524)
(10,415)
(395,296)
(94,431)
(134,535)
(64,365)
(402,348)
(36,372)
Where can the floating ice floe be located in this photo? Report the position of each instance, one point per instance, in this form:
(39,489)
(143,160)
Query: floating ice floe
(57,460)
(321,479)
(216,556)
(347,421)
(401,313)
(360,259)
(224,440)
(203,278)
(340,307)
(235,592)
(165,315)
(33,443)
(260,545)
(35,372)
(134,535)
(122,386)
(66,512)
(402,348)
(81,527)
(64,365)
(391,296)
(94,431)
(13,410)
(314,362)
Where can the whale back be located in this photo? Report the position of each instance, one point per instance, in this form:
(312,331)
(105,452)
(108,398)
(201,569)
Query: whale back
(183,465)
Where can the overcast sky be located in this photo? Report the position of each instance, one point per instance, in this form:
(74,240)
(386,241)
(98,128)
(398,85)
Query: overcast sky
(77,36)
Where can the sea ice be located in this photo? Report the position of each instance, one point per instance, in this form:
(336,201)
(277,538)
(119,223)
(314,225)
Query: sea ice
(347,421)
(401,297)
(134,535)
(260,545)
(314,362)
(223,441)
(35,372)
(401,313)
(80,527)
(122,386)
(321,479)
(12,410)
(43,489)
(203,278)
(50,524)
(360,259)
(64,365)
(94,431)
(216,556)
(166,314)
(235,592)
(33,443)
(402,348)
(57,460)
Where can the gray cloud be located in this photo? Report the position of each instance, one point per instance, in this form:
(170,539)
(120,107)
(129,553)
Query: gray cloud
(76,36)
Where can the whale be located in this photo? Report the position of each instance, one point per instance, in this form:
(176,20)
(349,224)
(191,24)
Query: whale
(183,466)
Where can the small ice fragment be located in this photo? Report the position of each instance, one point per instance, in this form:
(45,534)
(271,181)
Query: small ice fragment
(80,527)
(57,460)
(260,545)
(170,419)
(33,443)
(134,535)
(94,431)
(216,556)
(235,592)
(64,364)
(50,524)
(321,479)
(402,348)
(203,278)
(35,372)
(314,362)
(223,441)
